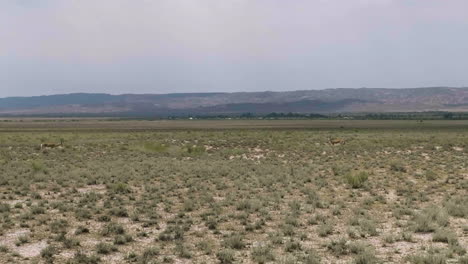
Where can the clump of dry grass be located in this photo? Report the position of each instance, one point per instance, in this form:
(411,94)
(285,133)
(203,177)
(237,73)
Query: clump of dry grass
(356,179)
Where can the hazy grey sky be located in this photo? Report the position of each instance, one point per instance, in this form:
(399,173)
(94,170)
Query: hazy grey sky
(162,46)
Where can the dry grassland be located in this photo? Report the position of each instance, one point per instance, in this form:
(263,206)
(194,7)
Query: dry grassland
(392,193)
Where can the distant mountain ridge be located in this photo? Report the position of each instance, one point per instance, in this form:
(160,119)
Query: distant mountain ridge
(303,101)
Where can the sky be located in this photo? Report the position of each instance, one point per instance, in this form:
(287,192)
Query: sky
(167,46)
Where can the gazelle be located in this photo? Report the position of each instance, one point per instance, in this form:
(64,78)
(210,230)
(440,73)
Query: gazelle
(52,145)
(336,141)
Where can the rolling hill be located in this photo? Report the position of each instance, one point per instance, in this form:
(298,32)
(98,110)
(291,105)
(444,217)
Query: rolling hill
(305,101)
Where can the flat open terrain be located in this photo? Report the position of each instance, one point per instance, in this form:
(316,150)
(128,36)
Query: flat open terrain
(233,191)
(91,124)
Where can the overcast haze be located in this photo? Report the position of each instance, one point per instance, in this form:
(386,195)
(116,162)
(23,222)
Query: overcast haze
(163,46)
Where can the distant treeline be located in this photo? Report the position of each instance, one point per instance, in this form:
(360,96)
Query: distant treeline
(415,116)
(274,115)
(355,116)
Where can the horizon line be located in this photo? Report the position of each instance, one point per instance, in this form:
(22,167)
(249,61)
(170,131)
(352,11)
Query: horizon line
(264,91)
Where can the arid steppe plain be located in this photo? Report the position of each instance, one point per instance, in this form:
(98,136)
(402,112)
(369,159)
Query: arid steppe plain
(233,191)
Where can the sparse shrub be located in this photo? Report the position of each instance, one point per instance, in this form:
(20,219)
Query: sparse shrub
(456,248)
(338,247)
(235,241)
(357,247)
(288,230)
(397,166)
(288,259)
(189,205)
(313,198)
(206,246)
(389,239)
(105,248)
(3,249)
(244,205)
(167,259)
(4,207)
(353,233)
(225,256)
(275,238)
(104,218)
(120,188)
(291,220)
(399,212)
(407,236)
(70,243)
(119,212)
(148,255)
(131,257)
(183,251)
(67,242)
(315,219)
(427,259)
(430,175)
(212,223)
(368,227)
(356,179)
(366,257)
(172,232)
(112,228)
(36,195)
(292,246)
(122,239)
(325,230)
(81,230)
(311,257)
(429,218)
(195,150)
(262,254)
(457,206)
(445,236)
(463,260)
(340,170)
(22,240)
(58,226)
(82,213)
(424,224)
(37,166)
(48,252)
(81,258)
(37,210)
(295,206)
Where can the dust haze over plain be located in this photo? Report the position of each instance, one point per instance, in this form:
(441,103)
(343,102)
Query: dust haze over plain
(166,46)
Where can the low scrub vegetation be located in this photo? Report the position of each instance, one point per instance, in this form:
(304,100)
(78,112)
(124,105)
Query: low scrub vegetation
(235,196)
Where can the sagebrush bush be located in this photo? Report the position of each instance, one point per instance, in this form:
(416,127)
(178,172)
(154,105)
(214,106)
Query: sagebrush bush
(428,259)
(112,228)
(81,258)
(356,179)
(262,254)
(105,248)
(48,252)
(225,256)
(457,206)
(235,241)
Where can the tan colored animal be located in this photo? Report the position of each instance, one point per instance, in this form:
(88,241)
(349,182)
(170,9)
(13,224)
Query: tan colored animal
(336,141)
(52,145)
